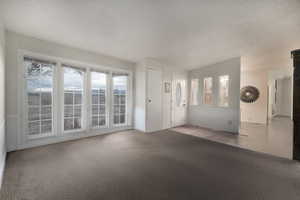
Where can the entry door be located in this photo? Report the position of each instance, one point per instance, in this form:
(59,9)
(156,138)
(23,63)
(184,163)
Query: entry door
(154,100)
(179,99)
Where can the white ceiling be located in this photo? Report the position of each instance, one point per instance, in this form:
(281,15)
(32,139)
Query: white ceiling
(186,33)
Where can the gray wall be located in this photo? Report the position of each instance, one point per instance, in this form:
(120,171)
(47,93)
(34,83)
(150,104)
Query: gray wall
(213,116)
(15,42)
(2,103)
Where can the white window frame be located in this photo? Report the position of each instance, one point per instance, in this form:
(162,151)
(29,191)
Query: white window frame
(24,102)
(57,129)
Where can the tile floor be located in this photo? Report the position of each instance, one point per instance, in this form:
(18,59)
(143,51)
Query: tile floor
(276,138)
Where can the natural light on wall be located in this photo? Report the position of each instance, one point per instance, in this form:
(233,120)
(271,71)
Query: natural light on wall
(194,92)
(224,91)
(208,91)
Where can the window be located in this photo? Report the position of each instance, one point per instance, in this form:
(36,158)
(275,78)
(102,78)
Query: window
(73,86)
(194,91)
(99,93)
(207,91)
(39,95)
(120,82)
(59,98)
(224,91)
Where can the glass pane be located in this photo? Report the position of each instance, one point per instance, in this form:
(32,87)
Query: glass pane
(39,88)
(46,126)
(46,112)
(102,110)
(77,123)
(122,99)
(95,110)
(122,109)
(95,98)
(102,121)
(224,91)
(98,81)
(46,98)
(33,68)
(116,119)
(94,121)
(116,109)
(116,99)
(33,113)
(102,99)
(207,90)
(46,83)
(178,94)
(120,92)
(78,98)
(68,111)
(122,119)
(34,128)
(68,98)
(34,99)
(46,70)
(194,91)
(73,79)
(68,124)
(77,111)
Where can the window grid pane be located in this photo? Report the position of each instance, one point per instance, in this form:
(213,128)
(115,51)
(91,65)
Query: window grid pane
(98,87)
(73,97)
(39,88)
(119,99)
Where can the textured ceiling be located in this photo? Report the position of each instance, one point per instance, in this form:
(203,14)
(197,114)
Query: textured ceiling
(187,33)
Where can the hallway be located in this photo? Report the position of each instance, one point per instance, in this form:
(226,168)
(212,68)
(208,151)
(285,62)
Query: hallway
(276,138)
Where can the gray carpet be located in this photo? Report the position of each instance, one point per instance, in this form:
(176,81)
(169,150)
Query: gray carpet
(137,166)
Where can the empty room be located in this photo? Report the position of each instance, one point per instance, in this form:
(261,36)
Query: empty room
(149,100)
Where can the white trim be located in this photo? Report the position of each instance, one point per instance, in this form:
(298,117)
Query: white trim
(68,137)
(2,168)
(3,160)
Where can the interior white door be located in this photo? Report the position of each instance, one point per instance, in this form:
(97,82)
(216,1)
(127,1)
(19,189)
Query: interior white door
(179,99)
(154,100)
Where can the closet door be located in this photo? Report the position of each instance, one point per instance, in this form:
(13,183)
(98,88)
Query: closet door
(154,100)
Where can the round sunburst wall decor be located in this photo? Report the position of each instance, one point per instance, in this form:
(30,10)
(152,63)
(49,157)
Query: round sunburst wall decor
(249,94)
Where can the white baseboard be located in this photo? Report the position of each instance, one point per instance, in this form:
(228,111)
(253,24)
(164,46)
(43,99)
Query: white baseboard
(2,168)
